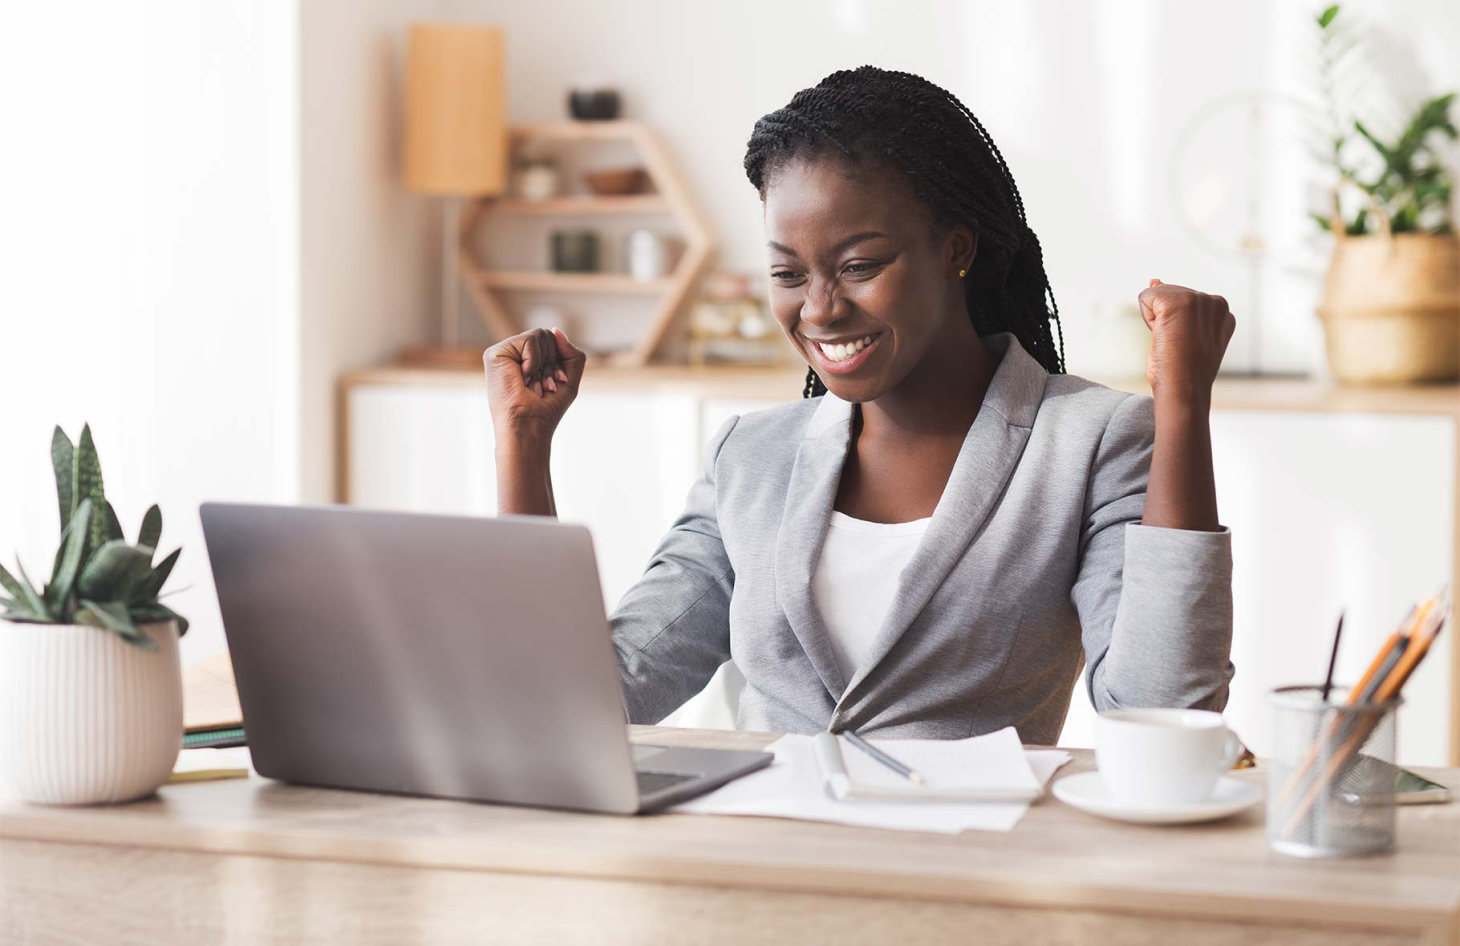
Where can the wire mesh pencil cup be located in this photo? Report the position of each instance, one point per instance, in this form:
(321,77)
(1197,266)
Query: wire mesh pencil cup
(1332,781)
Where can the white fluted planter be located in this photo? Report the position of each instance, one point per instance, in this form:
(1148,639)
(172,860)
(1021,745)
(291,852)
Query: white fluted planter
(85,717)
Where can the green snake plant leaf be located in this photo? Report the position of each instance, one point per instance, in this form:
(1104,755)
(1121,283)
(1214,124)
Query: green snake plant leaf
(113,616)
(88,484)
(20,614)
(153,585)
(71,527)
(151,532)
(152,611)
(62,454)
(33,599)
(112,569)
(69,563)
(113,524)
(61,551)
(11,584)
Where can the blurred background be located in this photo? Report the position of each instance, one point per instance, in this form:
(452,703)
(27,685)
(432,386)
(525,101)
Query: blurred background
(214,255)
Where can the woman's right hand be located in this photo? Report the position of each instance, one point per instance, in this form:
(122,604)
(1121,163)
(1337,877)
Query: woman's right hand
(531,380)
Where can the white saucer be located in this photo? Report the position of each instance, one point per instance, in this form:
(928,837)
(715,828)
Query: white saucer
(1088,793)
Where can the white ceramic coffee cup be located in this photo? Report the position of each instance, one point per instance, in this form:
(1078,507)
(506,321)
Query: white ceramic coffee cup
(1155,757)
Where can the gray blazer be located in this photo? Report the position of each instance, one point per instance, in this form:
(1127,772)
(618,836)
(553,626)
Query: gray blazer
(1034,562)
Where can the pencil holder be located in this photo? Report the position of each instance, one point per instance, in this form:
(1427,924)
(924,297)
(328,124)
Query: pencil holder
(1332,781)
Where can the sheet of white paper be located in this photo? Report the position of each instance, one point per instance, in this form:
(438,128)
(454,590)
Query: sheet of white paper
(200,760)
(791,787)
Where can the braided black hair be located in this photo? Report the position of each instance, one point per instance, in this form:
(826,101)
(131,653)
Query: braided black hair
(954,168)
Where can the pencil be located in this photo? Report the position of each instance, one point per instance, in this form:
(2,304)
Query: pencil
(1333,658)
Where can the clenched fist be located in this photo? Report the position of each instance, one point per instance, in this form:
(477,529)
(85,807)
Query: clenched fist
(532,378)
(1189,335)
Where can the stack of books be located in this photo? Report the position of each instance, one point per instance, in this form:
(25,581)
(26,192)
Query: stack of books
(212,718)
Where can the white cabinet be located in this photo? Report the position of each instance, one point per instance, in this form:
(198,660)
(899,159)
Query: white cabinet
(1328,510)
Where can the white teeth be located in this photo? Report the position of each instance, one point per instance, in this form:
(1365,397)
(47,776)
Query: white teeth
(844,351)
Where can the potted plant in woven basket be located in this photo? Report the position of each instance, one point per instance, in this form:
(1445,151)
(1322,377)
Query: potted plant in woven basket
(1391,299)
(90,684)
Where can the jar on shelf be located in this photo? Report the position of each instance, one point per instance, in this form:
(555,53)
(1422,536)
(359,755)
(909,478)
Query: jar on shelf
(647,255)
(536,178)
(574,251)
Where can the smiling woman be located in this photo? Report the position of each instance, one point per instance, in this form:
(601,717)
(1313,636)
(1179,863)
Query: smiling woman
(937,536)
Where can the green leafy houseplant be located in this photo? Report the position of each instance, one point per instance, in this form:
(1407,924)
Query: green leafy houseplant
(97,579)
(1408,188)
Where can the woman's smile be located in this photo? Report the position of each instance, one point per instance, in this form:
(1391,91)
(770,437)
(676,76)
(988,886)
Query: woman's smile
(844,354)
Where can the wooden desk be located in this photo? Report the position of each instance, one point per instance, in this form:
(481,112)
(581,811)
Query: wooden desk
(262,862)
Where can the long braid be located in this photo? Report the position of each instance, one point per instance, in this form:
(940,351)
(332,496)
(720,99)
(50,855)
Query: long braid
(954,167)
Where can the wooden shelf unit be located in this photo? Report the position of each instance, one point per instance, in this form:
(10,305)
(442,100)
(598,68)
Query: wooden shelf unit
(670,197)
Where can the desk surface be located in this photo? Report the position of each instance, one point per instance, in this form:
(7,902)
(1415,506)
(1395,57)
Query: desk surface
(1057,857)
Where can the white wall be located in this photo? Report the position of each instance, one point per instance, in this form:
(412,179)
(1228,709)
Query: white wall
(369,250)
(202,228)
(1086,99)
(150,266)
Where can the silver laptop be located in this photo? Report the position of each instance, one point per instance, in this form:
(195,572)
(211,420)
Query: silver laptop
(436,655)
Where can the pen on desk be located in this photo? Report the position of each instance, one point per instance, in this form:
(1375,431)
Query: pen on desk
(834,779)
(905,771)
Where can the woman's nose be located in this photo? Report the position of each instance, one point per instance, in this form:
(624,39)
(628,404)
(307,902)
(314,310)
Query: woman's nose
(822,305)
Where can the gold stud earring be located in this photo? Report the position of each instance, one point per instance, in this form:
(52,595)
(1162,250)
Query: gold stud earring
(962,273)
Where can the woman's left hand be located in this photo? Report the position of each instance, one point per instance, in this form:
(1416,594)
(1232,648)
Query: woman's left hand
(1189,335)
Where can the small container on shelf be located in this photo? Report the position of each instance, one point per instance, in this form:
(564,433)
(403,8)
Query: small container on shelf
(591,100)
(536,178)
(574,251)
(647,254)
(614,182)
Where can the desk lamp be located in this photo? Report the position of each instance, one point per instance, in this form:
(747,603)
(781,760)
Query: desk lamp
(455,146)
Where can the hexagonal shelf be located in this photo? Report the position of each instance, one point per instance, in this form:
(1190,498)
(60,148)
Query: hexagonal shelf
(671,197)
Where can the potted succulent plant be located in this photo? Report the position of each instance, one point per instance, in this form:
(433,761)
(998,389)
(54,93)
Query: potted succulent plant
(1391,299)
(90,684)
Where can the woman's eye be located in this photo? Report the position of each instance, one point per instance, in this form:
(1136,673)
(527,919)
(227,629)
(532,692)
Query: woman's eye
(856,268)
(784,275)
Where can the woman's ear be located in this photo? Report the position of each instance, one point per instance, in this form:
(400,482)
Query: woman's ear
(962,247)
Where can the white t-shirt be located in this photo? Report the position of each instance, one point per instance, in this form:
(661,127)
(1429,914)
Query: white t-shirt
(856,579)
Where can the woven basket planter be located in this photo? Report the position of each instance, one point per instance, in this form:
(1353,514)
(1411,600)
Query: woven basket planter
(1391,309)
